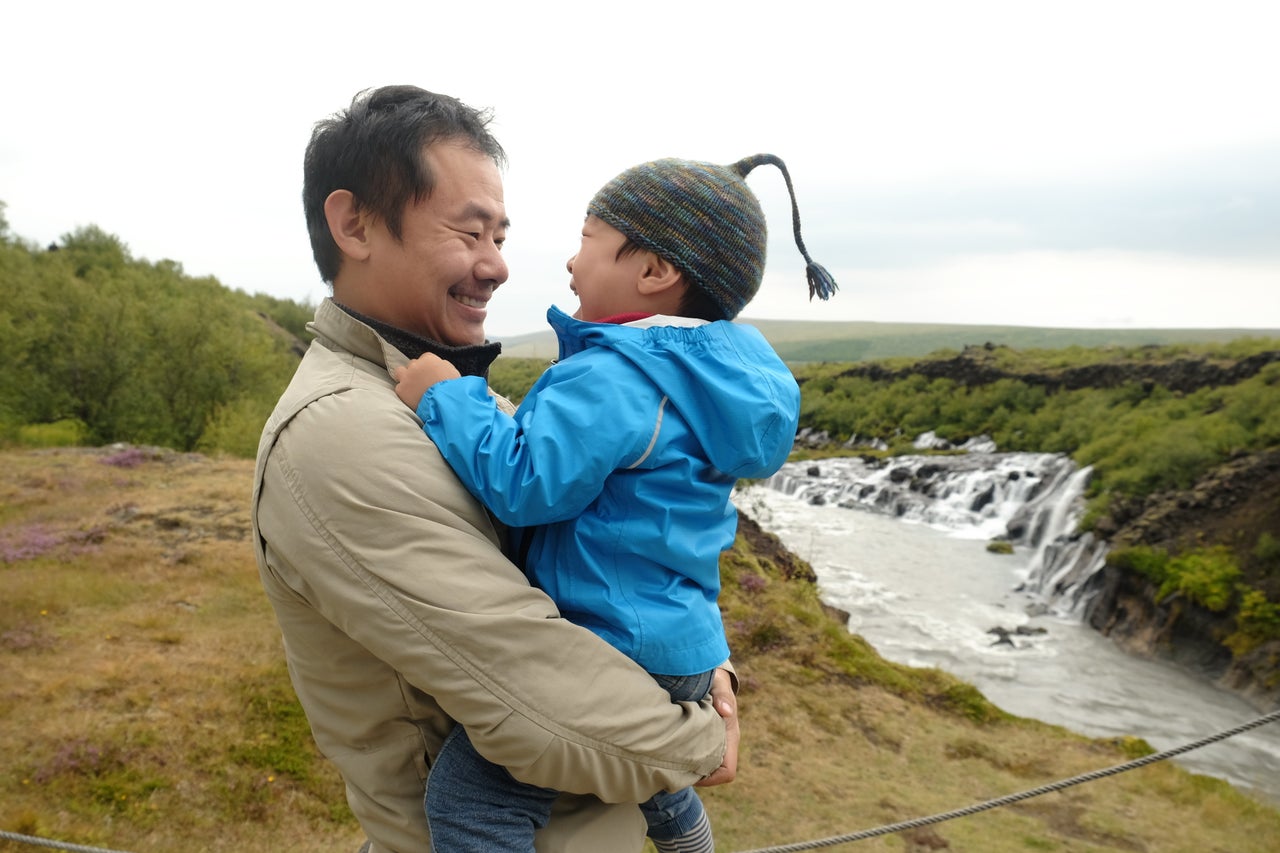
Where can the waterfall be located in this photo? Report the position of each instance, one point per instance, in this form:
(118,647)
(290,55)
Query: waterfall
(1034,501)
(1064,562)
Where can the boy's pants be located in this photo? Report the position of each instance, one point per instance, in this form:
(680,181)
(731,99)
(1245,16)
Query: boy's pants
(475,806)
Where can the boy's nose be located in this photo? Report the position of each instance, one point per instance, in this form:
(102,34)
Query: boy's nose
(568,265)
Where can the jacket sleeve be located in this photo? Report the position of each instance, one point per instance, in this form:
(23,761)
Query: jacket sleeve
(549,461)
(389,548)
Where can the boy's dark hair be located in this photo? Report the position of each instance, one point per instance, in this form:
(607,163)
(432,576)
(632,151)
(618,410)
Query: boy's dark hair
(374,149)
(696,302)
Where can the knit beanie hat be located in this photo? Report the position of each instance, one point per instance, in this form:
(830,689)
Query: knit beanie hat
(703,218)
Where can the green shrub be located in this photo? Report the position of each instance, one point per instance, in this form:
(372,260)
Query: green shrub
(1267,550)
(1151,563)
(1257,622)
(64,433)
(1208,577)
(513,377)
(234,428)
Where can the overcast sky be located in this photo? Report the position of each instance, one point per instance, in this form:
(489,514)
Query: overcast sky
(1089,164)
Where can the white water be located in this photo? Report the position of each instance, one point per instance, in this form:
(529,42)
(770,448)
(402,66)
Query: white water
(925,591)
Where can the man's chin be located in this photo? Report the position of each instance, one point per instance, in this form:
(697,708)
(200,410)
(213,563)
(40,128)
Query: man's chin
(467,327)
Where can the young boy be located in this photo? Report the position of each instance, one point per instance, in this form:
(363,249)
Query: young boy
(623,456)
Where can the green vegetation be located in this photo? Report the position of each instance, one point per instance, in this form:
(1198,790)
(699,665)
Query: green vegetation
(1212,579)
(1209,577)
(1140,437)
(1257,622)
(513,377)
(99,347)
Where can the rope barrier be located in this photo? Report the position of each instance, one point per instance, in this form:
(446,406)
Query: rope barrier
(1013,798)
(888,829)
(57,845)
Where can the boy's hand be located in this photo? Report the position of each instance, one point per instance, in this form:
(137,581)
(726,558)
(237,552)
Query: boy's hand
(421,373)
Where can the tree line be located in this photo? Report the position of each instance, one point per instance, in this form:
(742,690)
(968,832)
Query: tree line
(98,347)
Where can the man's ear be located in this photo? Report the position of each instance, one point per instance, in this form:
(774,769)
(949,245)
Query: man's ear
(347,224)
(658,275)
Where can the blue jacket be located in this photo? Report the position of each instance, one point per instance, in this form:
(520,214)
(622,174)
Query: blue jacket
(624,455)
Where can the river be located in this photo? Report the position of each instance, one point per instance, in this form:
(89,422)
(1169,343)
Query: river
(928,593)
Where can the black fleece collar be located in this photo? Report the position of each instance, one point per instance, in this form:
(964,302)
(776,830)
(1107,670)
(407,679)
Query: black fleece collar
(472,360)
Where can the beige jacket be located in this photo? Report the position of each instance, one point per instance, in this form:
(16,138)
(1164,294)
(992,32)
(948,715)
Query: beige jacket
(400,614)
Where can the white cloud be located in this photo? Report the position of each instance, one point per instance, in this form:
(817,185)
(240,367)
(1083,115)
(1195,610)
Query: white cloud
(182,132)
(1090,289)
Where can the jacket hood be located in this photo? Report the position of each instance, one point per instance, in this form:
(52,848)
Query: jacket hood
(723,378)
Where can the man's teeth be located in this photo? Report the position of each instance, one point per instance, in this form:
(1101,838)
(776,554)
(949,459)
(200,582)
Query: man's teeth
(469,301)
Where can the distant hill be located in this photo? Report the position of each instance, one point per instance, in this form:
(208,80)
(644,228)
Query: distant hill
(807,340)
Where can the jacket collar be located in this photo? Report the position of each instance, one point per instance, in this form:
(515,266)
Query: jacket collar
(576,335)
(370,339)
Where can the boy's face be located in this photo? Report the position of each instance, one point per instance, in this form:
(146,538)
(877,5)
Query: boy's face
(605,284)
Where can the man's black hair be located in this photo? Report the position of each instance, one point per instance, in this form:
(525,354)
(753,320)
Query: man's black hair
(375,149)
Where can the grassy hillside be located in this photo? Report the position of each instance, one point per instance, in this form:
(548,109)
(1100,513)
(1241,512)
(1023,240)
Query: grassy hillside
(147,708)
(807,341)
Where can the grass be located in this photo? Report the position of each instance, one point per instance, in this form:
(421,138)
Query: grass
(147,707)
(146,702)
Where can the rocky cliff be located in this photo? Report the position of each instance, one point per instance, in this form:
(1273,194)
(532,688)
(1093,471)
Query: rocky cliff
(974,366)
(1234,505)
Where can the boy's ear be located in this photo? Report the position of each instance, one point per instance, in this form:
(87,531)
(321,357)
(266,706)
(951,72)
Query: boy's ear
(658,275)
(347,224)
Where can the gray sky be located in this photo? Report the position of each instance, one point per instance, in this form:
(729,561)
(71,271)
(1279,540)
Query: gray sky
(1108,164)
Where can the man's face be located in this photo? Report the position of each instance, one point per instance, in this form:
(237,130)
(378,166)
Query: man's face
(604,283)
(436,280)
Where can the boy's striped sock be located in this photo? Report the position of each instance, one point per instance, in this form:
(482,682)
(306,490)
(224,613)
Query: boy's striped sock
(696,840)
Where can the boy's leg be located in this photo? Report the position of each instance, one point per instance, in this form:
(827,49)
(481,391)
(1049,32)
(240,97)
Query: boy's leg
(677,821)
(474,806)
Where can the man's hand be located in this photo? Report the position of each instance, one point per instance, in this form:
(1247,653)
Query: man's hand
(413,381)
(726,705)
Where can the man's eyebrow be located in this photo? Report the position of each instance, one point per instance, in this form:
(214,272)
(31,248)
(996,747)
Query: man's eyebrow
(484,214)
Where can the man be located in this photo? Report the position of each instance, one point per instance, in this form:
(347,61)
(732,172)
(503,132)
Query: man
(398,610)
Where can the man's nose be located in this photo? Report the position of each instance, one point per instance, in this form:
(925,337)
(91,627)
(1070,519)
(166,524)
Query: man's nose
(492,267)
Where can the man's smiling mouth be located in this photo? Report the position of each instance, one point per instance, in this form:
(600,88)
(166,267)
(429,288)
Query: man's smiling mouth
(471,301)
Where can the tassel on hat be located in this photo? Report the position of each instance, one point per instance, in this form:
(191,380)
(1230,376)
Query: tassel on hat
(706,220)
(821,284)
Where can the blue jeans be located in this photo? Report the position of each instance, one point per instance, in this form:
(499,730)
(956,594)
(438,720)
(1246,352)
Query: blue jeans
(475,806)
